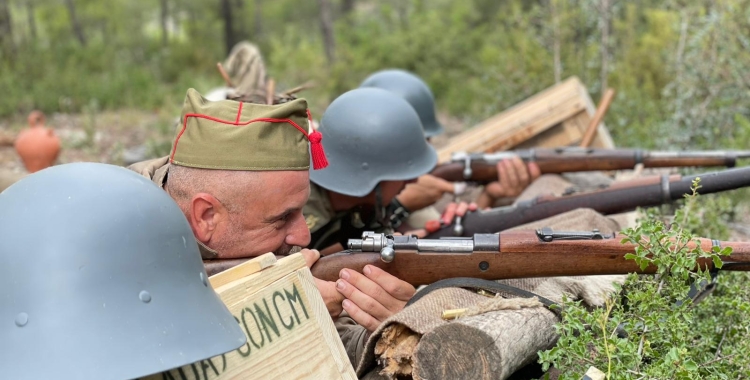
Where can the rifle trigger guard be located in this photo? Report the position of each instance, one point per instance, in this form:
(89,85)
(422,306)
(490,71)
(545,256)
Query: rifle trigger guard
(546,234)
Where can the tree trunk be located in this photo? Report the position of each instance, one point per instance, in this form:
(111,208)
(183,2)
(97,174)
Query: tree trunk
(258,23)
(326,25)
(75,23)
(556,40)
(347,6)
(164,18)
(229,37)
(31,19)
(241,32)
(6,29)
(605,10)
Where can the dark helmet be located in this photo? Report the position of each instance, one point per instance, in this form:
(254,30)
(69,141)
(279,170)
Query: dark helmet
(414,90)
(101,278)
(371,135)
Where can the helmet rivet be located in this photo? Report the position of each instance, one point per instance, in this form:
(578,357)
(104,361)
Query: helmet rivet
(365,166)
(204,280)
(145,296)
(22,319)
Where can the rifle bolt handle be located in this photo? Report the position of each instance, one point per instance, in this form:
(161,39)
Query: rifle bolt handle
(387,254)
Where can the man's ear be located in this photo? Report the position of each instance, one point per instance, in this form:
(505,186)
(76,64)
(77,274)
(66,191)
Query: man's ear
(205,214)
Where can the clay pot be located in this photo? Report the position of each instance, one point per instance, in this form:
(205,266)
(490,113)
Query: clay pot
(38,146)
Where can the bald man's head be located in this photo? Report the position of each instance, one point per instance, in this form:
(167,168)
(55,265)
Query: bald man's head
(243,213)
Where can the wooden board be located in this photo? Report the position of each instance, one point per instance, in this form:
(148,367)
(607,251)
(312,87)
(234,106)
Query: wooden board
(557,116)
(290,334)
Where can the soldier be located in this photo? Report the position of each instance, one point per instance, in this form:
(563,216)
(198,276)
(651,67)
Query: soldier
(240,173)
(513,175)
(376,145)
(102,279)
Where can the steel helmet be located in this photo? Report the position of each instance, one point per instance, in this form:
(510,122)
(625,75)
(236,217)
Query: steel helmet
(371,135)
(414,90)
(101,278)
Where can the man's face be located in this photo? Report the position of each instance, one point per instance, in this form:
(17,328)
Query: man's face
(269,220)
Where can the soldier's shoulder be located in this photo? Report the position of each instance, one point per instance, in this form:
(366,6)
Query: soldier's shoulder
(317,210)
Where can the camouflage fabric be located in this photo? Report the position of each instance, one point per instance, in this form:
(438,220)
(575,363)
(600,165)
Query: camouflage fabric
(329,227)
(246,70)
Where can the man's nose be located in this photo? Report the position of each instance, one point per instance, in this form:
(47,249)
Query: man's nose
(298,234)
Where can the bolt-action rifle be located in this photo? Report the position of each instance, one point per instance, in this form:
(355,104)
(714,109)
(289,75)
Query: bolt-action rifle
(621,197)
(481,167)
(516,254)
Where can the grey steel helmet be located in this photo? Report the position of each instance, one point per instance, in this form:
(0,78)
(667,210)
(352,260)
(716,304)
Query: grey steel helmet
(101,278)
(414,90)
(371,135)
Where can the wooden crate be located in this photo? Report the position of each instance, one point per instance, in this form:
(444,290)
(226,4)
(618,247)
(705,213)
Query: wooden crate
(557,116)
(290,334)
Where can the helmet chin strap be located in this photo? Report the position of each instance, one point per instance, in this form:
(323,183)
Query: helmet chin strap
(381,213)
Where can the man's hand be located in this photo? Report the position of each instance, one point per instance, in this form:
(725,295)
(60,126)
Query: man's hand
(451,211)
(513,177)
(427,190)
(327,289)
(372,297)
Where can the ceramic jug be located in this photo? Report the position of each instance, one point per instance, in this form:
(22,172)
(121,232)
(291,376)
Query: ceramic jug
(37,145)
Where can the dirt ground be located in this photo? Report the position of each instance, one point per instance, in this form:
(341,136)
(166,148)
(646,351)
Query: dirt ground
(101,137)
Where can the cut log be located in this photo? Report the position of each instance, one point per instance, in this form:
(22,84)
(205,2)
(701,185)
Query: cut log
(486,346)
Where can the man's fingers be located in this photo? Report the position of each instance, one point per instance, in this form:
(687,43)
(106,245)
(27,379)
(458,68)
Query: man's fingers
(534,170)
(521,171)
(311,256)
(502,176)
(510,169)
(363,319)
(473,206)
(364,301)
(449,213)
(461,209)
(332,297)
(396,288)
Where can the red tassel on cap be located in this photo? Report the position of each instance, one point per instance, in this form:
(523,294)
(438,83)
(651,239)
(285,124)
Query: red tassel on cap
(316,150)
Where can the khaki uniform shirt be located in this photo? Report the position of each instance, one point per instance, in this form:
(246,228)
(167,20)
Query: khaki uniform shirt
(329,227)
(352,335)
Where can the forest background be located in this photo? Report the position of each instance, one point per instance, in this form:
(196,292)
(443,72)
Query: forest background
(680,67)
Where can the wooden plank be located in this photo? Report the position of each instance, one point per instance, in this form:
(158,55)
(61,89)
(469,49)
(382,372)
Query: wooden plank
(290,333)
(521,122)
(245,269)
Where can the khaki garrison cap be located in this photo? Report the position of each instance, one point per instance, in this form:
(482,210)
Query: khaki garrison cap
(232,135)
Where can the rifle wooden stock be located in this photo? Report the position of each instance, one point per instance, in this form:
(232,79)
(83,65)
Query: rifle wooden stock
(521,254)
(566,160)
(624,197)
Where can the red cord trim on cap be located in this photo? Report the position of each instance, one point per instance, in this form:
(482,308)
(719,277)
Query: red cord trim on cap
(239,112)
(318,155)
